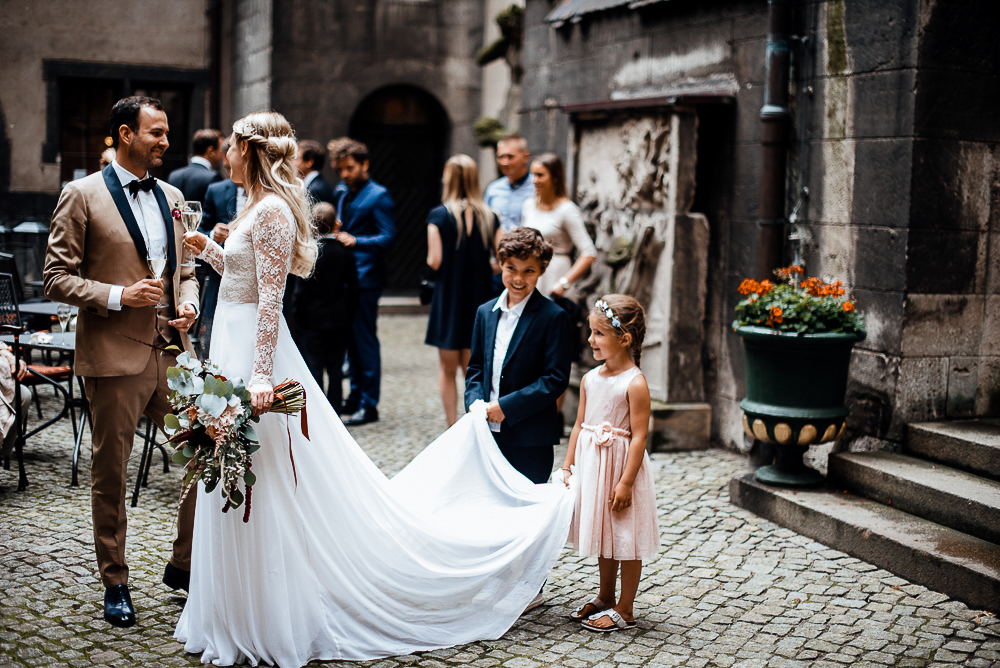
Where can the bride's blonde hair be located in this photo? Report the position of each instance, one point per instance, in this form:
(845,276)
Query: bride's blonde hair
(271,148)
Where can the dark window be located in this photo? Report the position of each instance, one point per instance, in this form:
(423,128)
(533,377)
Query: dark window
(84,108)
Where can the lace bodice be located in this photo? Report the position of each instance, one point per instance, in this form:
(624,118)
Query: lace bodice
(607,398)
(254,267)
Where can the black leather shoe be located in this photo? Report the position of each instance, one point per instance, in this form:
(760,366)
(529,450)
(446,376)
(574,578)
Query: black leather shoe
(118,610)
(363,416)
(175,578)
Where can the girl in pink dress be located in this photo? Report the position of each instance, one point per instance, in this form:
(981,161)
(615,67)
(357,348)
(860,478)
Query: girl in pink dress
(615,516)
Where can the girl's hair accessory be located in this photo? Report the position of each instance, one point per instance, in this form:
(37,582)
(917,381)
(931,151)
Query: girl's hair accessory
(604,308)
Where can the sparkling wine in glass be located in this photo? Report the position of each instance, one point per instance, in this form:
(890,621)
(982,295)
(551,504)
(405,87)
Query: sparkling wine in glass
(64,313)
(157,261)
(191,219)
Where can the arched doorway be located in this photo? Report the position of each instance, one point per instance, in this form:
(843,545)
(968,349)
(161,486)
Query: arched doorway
(407,132)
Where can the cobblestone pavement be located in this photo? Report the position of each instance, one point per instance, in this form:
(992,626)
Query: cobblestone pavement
(729,589)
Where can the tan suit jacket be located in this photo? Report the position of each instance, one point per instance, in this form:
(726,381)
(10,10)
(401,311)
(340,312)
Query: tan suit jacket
(95,243)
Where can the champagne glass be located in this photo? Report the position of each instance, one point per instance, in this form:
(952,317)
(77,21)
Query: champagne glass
(64,313)
(191,219)
(157,261)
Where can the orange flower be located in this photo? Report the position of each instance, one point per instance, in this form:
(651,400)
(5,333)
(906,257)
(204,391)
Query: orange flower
(748,286)
(775,316)
(764,287)
(848,306)
(796,269)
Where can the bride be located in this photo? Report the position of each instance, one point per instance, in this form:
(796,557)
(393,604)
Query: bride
(337,561)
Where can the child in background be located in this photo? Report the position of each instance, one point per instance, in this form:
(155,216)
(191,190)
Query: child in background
(615,516)
(324,305)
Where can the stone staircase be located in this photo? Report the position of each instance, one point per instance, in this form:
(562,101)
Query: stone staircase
(930,514)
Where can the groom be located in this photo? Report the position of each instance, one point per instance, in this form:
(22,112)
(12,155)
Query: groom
(103,229)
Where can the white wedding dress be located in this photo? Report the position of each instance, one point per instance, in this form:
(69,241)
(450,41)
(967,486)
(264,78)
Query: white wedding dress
(345,563)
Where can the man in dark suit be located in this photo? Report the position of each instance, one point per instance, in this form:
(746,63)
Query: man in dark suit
(203,170)
(324,305)
(309,161)
(365,210)
(520,360)
(223,201)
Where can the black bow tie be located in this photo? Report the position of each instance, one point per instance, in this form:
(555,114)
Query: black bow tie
(144,185)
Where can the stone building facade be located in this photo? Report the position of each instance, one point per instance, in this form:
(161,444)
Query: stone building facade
(892,177)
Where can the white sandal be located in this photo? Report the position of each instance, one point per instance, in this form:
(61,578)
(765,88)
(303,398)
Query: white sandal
(578,616)
(611,614)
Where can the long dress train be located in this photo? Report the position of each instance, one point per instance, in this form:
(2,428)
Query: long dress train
(337,561)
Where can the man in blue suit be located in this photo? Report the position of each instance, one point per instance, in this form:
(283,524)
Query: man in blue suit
(368,228)
(309,161)
(223,200)
(203,170)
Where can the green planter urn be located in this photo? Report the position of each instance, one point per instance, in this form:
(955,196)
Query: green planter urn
(795,386)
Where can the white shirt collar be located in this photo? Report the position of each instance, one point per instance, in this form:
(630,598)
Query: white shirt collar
(125,177)
(515,310)
(310,177)
(198,160)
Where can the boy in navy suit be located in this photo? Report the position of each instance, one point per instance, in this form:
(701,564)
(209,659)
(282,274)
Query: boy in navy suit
(520,360)
(325,303)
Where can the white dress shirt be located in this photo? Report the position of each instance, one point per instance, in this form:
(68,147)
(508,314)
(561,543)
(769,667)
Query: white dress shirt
(310,177)
(241,199)
(151,225)
(509,317)
(198,160)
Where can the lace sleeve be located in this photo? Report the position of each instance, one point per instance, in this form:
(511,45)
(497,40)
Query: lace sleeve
(213,255)
(273,238)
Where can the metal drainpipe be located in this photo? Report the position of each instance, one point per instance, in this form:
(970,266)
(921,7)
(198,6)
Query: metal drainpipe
(775,119)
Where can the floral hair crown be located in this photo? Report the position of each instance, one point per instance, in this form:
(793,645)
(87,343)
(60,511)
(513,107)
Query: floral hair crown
(606,310)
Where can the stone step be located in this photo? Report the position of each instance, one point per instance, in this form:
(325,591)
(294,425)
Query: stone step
(964,567)
(401,305)
(948,496)
(971,445)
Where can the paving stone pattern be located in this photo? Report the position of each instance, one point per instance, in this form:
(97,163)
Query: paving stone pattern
(728,589)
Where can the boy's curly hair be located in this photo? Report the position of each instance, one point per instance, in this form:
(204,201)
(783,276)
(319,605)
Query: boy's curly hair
(525,242)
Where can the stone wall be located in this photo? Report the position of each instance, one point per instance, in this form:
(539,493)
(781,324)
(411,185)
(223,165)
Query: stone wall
(252,53)
(895,138)
(328,56)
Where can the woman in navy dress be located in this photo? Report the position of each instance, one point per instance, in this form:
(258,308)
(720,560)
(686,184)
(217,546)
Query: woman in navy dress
(462,235)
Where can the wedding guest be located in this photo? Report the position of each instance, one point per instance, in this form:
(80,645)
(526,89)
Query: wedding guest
(369,229)
(461,235)
(92,264)
(333,149)
(308,162)
(7,373)
(507,194)
(325,304)
(615,515)
(559,220)
(520,359)
(223,202)
(203,170)
(107,157)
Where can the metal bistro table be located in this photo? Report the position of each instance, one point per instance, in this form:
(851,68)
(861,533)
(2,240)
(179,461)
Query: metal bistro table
(62,342)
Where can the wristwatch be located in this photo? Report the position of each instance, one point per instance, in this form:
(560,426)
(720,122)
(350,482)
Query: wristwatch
(564,283)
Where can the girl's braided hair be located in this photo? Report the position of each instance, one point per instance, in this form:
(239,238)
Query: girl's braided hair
(627,317)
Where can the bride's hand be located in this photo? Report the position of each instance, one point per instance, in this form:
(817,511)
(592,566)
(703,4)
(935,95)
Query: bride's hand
(261,398)
(195,242)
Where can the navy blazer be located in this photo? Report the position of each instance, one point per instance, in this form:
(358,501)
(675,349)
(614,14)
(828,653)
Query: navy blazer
(219,206)
(535,371)
(321,191)
(193,180)
(370,220)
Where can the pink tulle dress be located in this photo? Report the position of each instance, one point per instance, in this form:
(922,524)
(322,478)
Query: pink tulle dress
(601,453)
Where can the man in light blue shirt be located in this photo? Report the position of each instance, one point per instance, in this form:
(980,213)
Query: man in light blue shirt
(507,194)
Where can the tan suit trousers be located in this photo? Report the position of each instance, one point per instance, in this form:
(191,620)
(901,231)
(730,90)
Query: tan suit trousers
(117,403)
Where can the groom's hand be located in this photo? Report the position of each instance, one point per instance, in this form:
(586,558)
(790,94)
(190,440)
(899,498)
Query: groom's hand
(143,293)
(188,315)
(493,412)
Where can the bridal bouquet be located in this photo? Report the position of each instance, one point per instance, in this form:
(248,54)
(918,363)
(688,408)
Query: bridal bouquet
(212,427)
